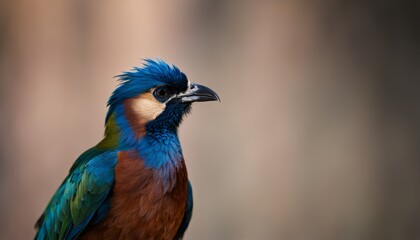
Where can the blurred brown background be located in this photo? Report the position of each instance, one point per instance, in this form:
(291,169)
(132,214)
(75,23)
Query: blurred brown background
(317,135)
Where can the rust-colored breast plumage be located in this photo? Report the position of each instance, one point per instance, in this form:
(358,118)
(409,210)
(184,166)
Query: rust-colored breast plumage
(141,207)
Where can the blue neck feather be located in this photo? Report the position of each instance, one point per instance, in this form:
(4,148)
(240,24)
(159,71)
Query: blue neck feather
(160,149)
(160,146)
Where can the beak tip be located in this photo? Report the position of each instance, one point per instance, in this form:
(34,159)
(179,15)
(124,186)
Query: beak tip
(215,97)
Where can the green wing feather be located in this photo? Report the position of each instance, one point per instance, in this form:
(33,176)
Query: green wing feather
(83,191)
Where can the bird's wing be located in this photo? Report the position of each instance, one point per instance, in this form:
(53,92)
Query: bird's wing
(79,196)
(188,214)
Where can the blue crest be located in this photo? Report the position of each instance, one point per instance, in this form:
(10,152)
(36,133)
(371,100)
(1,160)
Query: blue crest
(141,79)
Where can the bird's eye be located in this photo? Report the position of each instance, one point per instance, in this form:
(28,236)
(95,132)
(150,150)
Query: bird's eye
(161,94)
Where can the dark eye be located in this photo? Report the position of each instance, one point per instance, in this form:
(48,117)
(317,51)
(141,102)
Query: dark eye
(161,94)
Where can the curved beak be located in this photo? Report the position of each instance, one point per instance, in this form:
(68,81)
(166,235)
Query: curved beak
(198,93)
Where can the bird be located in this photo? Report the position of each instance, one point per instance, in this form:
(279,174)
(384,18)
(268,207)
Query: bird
(134,183)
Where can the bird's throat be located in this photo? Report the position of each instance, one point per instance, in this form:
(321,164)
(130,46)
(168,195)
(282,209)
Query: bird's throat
(157,146)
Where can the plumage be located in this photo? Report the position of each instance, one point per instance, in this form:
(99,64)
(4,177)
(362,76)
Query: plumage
(79,196)
(134,183)
(143,199)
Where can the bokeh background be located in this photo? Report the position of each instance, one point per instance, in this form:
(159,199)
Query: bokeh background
(317,135)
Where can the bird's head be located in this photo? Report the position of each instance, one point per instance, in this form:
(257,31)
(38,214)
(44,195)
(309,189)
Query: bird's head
(153,97)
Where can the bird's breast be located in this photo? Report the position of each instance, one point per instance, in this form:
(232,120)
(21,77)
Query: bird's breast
(145,203)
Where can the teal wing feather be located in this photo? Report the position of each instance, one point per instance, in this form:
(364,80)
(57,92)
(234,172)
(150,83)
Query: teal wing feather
(80,195)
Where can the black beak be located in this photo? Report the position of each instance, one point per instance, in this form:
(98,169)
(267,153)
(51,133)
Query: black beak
(198,93)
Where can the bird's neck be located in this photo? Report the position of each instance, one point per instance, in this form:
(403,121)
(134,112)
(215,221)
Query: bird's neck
(160,149)
(158,146)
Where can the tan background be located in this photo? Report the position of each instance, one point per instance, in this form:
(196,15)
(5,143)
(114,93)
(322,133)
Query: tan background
(317,135)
